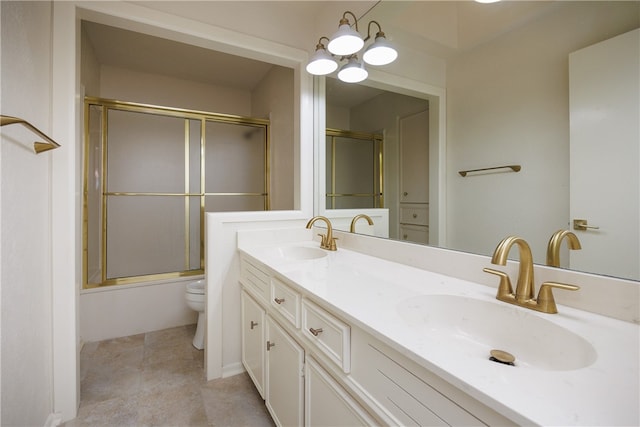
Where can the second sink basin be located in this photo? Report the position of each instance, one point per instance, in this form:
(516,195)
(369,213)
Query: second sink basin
(301,253)
(472,327)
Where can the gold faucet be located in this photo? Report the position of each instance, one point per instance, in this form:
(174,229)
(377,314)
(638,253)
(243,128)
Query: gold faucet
(328,241)
(553,248)
(356,218)
(523,295)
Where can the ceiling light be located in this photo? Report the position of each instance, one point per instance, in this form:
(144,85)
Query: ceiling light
(346,40)
(487,1)
(353,71)
(344,45)
(321,62)
(381,52)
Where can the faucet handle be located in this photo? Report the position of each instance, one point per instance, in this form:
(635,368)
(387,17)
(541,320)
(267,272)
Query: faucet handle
(546,302)
(504,288)
(331,245)
(323,242)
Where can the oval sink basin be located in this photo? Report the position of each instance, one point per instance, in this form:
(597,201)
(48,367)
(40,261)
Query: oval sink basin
(473,327)
(301,253)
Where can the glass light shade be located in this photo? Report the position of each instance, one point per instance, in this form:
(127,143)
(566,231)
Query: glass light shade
(346,41)
(321,63)
(352,72)
(380,52)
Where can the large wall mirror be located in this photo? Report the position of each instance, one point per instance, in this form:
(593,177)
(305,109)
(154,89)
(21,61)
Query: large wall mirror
(510,100)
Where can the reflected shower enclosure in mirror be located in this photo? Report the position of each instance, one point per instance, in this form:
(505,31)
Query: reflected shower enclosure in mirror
(506,78)
(354,170)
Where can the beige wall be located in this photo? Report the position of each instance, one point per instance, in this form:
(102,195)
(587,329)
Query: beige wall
(133,86)
(274,99)
(515,110)
(25,225)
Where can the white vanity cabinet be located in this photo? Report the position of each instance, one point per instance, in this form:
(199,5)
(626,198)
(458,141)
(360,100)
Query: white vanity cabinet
(296,388)
(285,301)
(321,370)
(284,395)
(253,340)
(327,403)
(409,394)
(328,334)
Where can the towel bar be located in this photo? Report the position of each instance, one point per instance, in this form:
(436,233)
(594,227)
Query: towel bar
(515,168)
(38,146)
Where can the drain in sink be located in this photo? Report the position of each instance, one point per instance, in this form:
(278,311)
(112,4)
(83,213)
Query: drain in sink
(501,356)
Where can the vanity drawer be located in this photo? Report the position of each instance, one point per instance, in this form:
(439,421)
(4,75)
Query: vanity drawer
(410,394)
(255,280)
(330,335)
(414,233)
(414,215)
(286,301)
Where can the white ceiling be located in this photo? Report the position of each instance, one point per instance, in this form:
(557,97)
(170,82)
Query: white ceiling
(449,28)
(439,28)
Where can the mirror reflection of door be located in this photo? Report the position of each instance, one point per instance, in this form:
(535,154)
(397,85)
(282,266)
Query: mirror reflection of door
(605,147)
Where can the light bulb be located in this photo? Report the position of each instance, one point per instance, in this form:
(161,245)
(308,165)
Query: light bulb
(380,52)
(321,62)
(353,71)
(346,41)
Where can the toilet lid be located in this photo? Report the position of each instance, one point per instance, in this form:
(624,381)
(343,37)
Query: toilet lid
(196,287)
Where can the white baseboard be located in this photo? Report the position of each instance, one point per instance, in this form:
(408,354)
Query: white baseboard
(54,419)
(232,369)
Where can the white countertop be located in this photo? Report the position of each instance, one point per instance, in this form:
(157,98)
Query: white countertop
(376,295)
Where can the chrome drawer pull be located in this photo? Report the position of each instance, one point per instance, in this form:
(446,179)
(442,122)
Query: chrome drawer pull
(253,324)
(315,332)
(279,300)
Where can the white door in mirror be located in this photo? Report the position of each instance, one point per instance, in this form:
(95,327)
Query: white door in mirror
(605,147)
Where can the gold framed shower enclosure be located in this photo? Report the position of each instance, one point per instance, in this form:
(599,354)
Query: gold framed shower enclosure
(198,197)
(358,171)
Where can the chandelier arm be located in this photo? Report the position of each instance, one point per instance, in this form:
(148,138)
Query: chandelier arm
(369,29)
(354,18)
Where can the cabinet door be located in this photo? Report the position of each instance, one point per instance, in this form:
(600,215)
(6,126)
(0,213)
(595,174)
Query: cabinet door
(414,158)
(253,339)
(285,378)
(327,404)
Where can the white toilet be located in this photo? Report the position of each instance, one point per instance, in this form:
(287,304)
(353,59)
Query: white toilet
(195,300)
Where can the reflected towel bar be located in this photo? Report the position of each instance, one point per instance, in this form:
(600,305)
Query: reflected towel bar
(38,146)
(515,168)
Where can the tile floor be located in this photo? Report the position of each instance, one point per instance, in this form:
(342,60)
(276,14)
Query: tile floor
(157,379)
